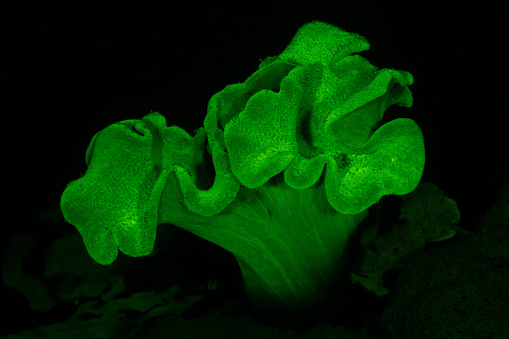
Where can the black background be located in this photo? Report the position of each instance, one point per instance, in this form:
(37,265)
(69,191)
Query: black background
(73,70)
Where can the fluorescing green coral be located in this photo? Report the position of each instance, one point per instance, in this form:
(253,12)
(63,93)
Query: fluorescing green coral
(297,159)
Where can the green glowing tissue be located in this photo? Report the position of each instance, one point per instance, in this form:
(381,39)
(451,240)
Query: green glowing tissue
(115,204)
(299,155)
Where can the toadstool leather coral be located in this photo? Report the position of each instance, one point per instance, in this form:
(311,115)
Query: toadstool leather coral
(298,159)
